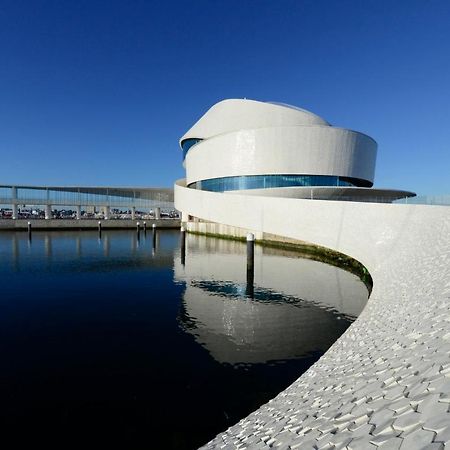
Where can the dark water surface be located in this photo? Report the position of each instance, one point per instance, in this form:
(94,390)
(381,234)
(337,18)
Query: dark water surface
(116,340)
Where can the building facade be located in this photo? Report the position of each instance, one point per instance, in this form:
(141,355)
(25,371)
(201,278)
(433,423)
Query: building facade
(272,149)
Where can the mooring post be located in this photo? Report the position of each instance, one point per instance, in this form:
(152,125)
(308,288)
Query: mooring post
(99,229)
(154,235)
(183,245)
(29,231)
(250,263)
(145,228)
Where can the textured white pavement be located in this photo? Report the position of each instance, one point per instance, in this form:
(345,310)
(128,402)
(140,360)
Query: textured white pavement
(386,382)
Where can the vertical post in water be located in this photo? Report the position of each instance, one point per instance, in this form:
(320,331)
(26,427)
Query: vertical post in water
(29,231)
(154,236)
(250,264)
(99,229)
(138,230)
(183,245)
(145,228)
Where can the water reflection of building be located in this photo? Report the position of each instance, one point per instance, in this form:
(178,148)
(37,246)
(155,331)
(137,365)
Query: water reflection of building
(300,306)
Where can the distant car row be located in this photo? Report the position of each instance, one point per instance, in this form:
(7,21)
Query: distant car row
(7,213)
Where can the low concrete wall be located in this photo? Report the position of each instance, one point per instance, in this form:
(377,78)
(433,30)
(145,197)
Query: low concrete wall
(386,381)
(83,224)
(219,229)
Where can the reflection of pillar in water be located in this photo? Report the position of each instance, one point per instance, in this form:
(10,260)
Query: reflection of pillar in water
(78,246)
(106,245)
(183,246)
(250,264)
(29,237)
(48,246)
(15,252)
(157,239)
(133,243)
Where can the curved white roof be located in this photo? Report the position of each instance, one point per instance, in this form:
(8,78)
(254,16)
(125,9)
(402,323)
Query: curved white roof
(297,108)
(238,114)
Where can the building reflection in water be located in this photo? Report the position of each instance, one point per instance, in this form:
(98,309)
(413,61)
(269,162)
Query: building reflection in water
(296,307)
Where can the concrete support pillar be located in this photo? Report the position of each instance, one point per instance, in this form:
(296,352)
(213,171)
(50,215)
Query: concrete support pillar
(157,213)
(78,209)
(133,213)
(15,211)
(48,211)
(106,212)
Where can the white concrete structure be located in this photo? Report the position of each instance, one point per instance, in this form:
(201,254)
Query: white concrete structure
(386,382)
(245,144)
(386,378)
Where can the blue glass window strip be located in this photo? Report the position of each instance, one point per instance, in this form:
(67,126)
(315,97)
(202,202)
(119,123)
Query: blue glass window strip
(267,181)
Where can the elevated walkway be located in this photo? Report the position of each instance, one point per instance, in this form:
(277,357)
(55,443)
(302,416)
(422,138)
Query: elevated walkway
(386,381)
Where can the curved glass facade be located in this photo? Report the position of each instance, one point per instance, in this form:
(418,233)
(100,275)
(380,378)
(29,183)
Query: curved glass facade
(269,181)
(187,144)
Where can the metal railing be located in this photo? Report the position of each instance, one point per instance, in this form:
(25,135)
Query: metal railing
(442,200)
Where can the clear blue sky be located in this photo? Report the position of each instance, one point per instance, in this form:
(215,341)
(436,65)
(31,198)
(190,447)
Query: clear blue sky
(99,92)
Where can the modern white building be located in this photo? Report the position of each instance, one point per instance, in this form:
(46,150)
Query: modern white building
(384,382)
(273,149)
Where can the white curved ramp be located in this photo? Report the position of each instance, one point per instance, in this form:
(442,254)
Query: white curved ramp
(386,381)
